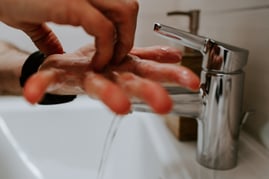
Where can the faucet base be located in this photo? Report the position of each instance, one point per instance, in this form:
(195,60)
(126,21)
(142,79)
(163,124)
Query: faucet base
(220,119)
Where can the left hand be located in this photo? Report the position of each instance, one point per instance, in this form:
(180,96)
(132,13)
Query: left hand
(138,76)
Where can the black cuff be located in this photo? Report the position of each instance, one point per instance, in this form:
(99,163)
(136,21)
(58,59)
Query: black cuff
(30,67)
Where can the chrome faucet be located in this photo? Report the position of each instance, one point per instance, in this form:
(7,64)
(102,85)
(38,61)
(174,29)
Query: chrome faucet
(218,105)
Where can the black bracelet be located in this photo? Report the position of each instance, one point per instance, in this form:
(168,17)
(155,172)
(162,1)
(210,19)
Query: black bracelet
(30,67)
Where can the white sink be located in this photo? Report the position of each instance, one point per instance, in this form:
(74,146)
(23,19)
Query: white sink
(65,142)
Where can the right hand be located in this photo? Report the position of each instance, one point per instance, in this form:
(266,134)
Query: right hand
(105,20)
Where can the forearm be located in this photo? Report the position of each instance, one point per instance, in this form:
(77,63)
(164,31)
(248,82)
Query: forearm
(11,61)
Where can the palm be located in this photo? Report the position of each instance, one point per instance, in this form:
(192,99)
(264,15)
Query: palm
(138,76)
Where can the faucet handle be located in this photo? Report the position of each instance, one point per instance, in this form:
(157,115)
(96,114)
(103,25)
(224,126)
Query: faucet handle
(217,56)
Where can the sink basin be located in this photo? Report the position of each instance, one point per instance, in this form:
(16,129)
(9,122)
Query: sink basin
(65,141)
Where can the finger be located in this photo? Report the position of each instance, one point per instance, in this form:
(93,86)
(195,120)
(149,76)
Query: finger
(150,92)
(169,73)
(103,29)
(37,85)
(44,38)
(108,92)
(82,13)
(162,72)
(123,14)
(125,39)
(158,53)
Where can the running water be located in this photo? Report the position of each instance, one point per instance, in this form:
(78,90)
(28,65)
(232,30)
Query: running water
(110,136)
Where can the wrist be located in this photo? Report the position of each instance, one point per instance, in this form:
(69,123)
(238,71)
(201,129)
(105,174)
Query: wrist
(11,61)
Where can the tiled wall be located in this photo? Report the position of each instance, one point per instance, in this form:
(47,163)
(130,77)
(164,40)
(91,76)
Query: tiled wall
(244,23)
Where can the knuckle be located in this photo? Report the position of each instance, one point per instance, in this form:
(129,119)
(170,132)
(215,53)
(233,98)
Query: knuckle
(134,5)
(108,27)
(127,10)
(132,8)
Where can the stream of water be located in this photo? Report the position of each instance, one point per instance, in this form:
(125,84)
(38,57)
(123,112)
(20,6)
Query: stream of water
(110,136)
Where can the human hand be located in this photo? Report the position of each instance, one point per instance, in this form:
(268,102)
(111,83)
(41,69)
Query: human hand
(137,76)
(112,23)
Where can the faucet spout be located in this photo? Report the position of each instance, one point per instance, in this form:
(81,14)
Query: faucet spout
(185,103)
(187,39)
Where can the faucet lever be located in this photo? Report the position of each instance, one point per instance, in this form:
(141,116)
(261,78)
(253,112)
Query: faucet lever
(217,56)
(182,37)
